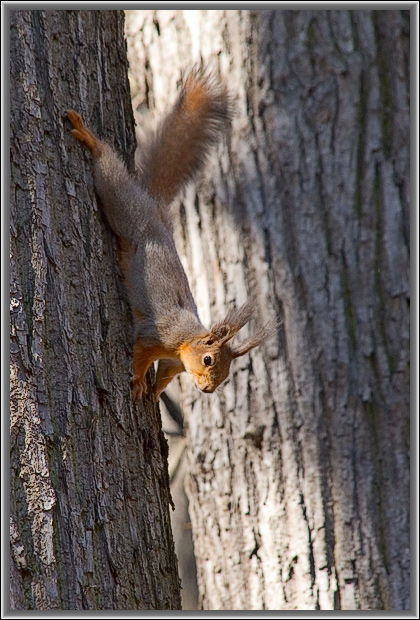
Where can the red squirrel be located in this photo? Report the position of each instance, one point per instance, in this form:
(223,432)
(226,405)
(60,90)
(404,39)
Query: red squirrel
(137,206)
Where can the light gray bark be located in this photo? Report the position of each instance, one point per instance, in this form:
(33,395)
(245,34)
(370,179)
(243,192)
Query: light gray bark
(299,464)
(90,525)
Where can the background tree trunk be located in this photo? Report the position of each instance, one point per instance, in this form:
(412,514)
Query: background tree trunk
(90,526)
(299,464)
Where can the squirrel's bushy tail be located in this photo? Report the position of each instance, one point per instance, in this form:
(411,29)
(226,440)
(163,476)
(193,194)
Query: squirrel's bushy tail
(171,155)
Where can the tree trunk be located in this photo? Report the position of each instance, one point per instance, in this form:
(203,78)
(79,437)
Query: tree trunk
(299,464)
(90,525)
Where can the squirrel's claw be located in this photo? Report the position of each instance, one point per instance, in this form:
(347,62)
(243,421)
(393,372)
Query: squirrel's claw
(83,134)
(76,119)
(138,388)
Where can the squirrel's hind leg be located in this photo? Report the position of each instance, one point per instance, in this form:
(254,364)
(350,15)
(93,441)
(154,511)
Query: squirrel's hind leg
(84,134)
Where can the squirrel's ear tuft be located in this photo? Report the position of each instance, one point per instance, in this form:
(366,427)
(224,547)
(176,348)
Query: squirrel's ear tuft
(220,334)
(233,321)
(269,330)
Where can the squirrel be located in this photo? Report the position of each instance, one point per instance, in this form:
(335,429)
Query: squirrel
(166,323)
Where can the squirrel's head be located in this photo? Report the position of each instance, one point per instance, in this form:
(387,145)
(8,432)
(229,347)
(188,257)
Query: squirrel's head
(207,357)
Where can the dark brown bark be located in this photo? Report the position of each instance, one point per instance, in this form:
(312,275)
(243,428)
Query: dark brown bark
(90,526)
(299,464)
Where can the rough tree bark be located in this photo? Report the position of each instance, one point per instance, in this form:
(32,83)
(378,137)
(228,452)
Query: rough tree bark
(89,507)
(299,464)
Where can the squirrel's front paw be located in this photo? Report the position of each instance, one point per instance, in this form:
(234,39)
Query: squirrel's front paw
(138,387)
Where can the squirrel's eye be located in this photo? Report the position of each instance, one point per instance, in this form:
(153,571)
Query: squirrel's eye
(207,360)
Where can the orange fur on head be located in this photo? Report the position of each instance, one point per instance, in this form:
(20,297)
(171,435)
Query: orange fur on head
(207,358)
(206,377)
